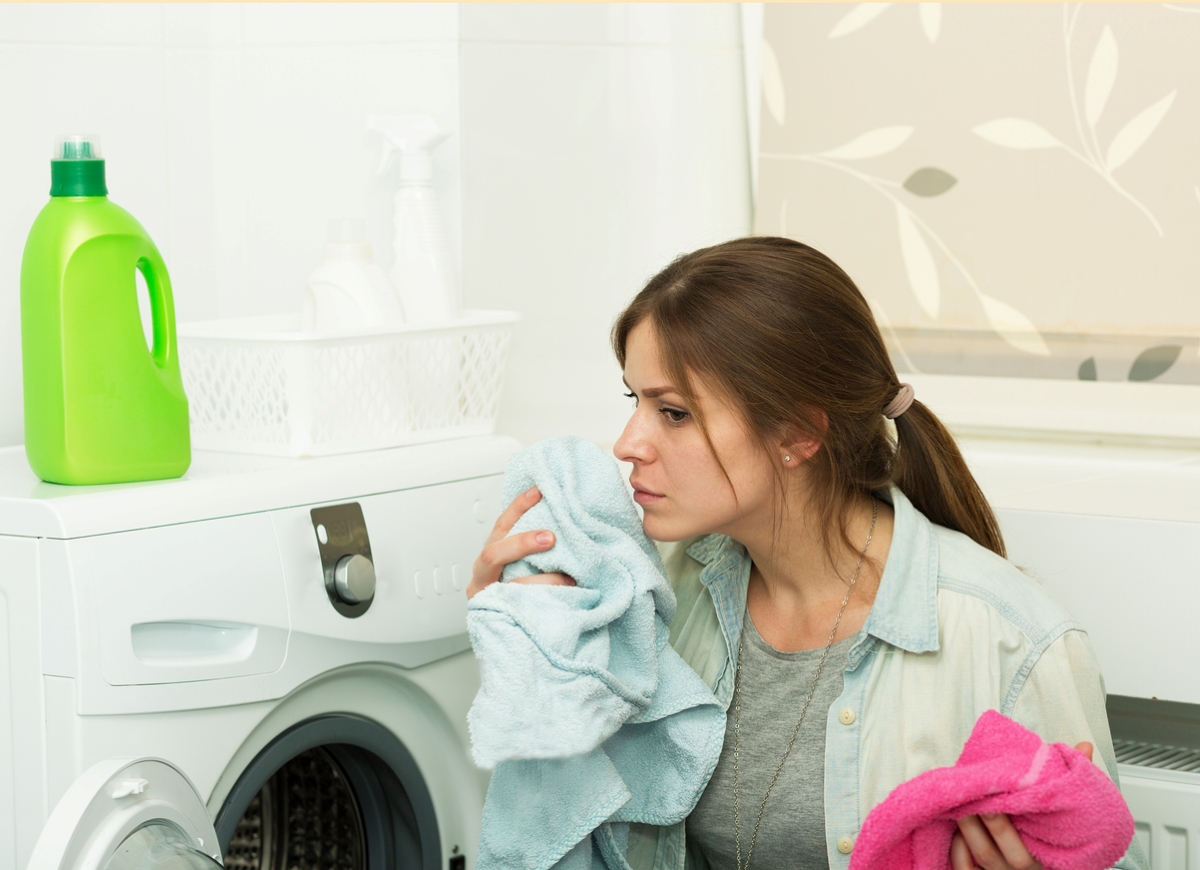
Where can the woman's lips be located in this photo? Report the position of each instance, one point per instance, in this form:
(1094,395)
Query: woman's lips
(643,497)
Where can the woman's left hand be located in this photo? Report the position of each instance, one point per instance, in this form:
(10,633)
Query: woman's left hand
(992,843)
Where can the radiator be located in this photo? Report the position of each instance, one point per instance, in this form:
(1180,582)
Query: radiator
(1162,786)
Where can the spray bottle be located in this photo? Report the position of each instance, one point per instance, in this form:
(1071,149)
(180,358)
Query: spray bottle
(423,272)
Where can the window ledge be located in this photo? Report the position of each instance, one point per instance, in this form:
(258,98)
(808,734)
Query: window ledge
(1147,414)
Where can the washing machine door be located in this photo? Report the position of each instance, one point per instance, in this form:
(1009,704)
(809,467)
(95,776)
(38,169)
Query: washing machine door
(128,814)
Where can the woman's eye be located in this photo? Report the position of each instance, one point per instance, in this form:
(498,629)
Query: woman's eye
(675,415)
(632,396)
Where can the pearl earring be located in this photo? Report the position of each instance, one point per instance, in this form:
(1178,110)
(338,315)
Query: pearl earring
(787,459)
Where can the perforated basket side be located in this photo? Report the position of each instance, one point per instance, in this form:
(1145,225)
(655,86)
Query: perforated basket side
(281,395)
(484,357)
(408,387)
(235,391)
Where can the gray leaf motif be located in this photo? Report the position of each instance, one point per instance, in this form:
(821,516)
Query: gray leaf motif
(1087,369)
(929,181)
(1153,362)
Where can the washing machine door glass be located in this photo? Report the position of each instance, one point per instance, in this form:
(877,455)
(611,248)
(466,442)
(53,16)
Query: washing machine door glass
(159,847)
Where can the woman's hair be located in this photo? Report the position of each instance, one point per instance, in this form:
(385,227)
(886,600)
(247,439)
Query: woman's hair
(782,333)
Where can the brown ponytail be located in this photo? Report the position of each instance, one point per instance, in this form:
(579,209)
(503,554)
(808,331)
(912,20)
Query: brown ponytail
(930,470)
(783,334)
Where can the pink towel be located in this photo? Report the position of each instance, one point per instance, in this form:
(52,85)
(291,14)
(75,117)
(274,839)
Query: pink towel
(1069,814)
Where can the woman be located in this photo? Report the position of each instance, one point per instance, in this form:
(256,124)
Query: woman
(843,590)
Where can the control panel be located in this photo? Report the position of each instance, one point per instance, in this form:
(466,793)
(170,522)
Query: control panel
(345,550)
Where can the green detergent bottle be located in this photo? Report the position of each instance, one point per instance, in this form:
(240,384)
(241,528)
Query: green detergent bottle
(100,406)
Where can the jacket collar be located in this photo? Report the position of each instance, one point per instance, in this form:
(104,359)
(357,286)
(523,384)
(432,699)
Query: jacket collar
(905,610)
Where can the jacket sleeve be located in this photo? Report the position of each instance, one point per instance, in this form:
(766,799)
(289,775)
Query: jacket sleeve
(1063,700)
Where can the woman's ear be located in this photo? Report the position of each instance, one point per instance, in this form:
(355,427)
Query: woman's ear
(799,446)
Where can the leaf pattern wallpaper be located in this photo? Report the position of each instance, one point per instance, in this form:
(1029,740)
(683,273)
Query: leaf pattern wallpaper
(1015,187)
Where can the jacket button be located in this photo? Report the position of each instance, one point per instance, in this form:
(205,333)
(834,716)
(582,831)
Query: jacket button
(845,845)
(846,717)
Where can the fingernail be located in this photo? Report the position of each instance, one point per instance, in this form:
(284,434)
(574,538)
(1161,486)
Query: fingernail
(545,538)
(531,493)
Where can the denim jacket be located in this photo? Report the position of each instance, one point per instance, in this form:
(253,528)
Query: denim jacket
(954,630)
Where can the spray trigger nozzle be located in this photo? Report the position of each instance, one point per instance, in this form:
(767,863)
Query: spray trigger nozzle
(413,137)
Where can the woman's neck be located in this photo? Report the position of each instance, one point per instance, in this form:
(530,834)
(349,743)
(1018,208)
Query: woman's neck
(796,590)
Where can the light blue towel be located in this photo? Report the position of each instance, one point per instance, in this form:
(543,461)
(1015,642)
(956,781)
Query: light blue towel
(587,715)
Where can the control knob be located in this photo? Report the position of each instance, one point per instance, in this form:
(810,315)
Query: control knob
(354,579)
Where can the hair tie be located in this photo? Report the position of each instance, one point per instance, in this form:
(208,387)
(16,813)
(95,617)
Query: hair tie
(900,403)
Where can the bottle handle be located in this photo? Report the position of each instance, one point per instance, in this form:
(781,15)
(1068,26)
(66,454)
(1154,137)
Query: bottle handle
(162,314)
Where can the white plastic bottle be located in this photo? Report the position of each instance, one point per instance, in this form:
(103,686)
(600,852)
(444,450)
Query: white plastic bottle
(423,272)
(349,291)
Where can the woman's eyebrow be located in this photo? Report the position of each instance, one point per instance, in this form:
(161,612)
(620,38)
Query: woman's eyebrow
(655,392)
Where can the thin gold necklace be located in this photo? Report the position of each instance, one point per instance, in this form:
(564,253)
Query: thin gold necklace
(737,710)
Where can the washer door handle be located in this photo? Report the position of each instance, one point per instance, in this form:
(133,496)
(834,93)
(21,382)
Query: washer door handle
(354,578)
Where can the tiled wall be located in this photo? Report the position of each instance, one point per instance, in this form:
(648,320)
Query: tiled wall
(590,144)
(599,141)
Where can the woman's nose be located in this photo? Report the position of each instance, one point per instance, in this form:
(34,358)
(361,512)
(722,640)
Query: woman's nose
(632,446)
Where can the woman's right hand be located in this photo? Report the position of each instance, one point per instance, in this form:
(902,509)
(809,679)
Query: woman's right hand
(501,548)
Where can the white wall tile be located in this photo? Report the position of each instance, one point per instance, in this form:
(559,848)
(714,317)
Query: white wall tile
(688,166)
(128,24)
(350,23)
(684,24)
(586,169)
(554,23)
(543,178)
(188,25)
(193,186)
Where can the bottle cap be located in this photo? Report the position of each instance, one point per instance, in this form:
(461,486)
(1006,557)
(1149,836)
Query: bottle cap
(76,167)
(77,147)
(347,240)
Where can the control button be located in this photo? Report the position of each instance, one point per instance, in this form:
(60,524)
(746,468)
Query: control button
(439,582)
(419,582)
(354,578)
(846,717)
(477,510)
(845,845)
(456,577)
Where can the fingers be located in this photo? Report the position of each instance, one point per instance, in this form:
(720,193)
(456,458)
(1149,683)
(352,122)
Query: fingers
(502,548)
(960,855)
(497,554)
(995,844)
(1086,748)
(513,512)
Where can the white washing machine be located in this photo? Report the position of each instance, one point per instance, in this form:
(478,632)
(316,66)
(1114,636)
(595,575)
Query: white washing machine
(264,662)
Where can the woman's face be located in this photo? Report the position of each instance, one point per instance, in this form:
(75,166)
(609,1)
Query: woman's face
(676,478)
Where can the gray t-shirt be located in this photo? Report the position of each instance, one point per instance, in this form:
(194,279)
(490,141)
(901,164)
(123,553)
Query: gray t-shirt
(791,835)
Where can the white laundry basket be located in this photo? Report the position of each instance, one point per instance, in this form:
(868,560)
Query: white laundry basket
(259,385)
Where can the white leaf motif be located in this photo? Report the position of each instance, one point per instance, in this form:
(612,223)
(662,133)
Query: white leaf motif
(918,264)
(772,84)
(873,144)
(931,20)
(1016,133)
(1102,72)
(1013,326)
(860,16)
(1133,135)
